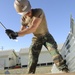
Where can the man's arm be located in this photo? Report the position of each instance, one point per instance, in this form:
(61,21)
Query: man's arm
(34,25)
(22,27)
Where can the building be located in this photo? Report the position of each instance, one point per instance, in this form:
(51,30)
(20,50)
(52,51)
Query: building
(68,49)
(8,59)
(23,57)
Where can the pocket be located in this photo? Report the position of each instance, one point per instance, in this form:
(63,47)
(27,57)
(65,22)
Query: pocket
(34,39)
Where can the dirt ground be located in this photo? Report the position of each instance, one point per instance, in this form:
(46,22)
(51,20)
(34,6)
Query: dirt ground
(39,70)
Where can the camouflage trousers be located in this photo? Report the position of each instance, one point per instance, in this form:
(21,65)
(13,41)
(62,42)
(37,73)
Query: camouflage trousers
(35,49)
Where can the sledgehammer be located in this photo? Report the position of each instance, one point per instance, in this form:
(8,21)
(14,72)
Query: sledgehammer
(3,26)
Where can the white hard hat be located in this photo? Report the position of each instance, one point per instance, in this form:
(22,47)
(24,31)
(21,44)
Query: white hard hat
(22,6)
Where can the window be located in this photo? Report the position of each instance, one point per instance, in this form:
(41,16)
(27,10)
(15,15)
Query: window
(9,58)
(68,46)
(67,42)
(68,51)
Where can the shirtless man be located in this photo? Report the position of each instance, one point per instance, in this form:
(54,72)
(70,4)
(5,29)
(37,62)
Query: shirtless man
(34,21)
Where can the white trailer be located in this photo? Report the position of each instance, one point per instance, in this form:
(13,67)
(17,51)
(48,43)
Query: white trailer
(7,58)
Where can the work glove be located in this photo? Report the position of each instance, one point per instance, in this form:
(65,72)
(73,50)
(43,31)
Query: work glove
(11,34)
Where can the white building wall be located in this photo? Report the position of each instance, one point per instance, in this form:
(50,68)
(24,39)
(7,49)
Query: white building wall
(12,61)
(1,64)
(6,62)
(45,57)
(24,59)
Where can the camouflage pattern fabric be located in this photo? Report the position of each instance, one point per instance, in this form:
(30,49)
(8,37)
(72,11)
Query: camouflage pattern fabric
(35,49)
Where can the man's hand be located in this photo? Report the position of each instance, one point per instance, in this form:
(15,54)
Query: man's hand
(11,34)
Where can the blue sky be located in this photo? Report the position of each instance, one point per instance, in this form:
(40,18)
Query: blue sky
(58,19)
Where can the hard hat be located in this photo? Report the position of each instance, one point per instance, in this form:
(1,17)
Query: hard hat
(22,6)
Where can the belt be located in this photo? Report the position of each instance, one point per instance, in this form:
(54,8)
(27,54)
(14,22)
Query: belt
(39,35)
